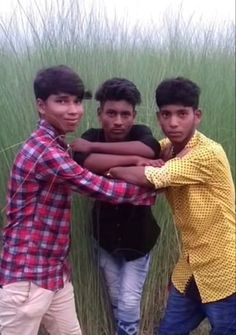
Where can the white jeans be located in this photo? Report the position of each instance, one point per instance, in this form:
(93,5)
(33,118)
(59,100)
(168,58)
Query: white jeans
(125,281)
(24,305)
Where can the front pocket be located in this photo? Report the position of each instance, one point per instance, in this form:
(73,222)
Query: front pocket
(16,293)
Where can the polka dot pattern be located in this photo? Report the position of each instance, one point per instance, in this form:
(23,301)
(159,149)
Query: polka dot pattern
(200,190)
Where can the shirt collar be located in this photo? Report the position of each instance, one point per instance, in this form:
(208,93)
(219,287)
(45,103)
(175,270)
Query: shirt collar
(194,140)
(53,132)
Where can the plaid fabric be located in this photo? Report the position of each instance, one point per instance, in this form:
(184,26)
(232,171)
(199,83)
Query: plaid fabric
(36,238)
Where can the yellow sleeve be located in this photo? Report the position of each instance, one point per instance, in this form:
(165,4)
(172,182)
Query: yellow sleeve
(195,167)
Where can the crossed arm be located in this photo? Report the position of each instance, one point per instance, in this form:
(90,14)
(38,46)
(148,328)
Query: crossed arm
(102,156)
(132,174)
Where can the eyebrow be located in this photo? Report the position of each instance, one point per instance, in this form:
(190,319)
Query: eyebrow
(179,109)
(113,110)
(62,95)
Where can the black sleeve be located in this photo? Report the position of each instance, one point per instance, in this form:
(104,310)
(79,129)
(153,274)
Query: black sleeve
(144,134)
(91,135)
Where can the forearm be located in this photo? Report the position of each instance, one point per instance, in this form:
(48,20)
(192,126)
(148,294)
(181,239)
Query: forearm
(123,148)
(58,167)
(113,191)
(133,174)
(101,163)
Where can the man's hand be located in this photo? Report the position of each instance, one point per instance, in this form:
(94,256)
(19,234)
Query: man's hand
(81,145)
(166,153)
(149,162)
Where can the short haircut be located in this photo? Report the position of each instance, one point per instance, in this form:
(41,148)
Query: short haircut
(59,79)
(178,91)
(116,89)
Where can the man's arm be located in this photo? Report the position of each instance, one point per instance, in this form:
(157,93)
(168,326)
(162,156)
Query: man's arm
(101,156)
(123,148)
(141,142)
(56,166)
(133,174)
(189,168)
(101,163)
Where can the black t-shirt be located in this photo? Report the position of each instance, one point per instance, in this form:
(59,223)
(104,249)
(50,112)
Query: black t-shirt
(124,229)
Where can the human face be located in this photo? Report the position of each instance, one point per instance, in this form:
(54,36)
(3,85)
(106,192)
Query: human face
(178,123)
(63,111)
(116,118)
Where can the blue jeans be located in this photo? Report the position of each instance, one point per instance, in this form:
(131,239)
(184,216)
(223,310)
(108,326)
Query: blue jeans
(184,313)
(125,281)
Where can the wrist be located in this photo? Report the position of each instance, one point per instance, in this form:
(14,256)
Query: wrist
(109,173)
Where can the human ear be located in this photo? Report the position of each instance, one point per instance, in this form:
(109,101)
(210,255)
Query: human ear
(40,104)
(99,112)
(198,116)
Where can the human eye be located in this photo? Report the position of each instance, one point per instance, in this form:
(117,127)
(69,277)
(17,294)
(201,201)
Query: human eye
(111,113)
(78,101)
(182,113)
(125,115)
(165,114)
(60,101)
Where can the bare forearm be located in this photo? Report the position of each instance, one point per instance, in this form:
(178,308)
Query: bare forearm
(101,163)
(132,174)
(123,148)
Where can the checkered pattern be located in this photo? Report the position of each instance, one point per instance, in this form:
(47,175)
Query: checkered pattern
(36,238)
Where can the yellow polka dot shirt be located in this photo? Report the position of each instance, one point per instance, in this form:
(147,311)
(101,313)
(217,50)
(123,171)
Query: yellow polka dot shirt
(200,190)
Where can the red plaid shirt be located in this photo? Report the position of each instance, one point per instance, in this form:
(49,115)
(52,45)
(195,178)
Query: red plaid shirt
(36,238)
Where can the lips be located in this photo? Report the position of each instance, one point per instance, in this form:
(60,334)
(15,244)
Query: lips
(117,130)
(72,121)
(174,134)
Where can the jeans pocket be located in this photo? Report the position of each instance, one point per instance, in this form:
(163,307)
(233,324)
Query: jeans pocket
(15,293)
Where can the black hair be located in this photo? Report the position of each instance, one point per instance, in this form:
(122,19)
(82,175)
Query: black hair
(180,91)
(59,79)
(116,89)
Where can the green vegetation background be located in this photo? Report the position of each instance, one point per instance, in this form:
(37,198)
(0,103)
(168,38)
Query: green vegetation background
(99,50)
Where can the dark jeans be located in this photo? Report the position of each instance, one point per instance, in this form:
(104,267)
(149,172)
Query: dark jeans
(184,313)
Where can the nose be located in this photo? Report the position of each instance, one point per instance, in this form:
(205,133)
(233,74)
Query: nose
(118,120)
(76,109)
(173,122)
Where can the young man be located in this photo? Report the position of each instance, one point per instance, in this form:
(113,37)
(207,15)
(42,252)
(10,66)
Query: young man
(124,234)
(34,271)
(200,190)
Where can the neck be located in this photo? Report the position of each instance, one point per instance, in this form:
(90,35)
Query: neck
(178,147)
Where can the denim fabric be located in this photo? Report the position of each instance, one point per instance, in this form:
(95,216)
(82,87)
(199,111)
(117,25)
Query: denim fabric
(127,328)
(184,313)
(125,281)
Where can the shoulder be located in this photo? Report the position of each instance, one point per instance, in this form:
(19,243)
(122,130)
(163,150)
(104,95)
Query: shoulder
(141,128)
(140,131)
(93,134)
(206,154)
(31,152)
(36,145)
(208,147)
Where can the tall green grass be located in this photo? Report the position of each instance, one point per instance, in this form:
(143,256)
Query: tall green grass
(99,50)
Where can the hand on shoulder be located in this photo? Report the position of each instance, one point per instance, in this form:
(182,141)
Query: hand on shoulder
(81,145)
